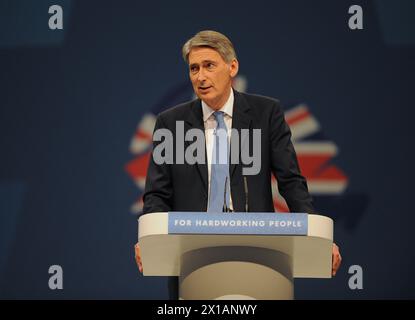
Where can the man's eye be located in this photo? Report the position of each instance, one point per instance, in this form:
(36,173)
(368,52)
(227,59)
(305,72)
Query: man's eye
(210,65)
(193,69)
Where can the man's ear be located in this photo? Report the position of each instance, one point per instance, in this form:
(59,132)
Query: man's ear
(234,67)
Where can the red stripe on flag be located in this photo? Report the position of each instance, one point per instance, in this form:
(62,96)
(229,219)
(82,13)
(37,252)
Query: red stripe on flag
(316,167)
(140,134)
(137,168)
(297,117)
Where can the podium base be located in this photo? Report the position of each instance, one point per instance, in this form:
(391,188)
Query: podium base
(236,273)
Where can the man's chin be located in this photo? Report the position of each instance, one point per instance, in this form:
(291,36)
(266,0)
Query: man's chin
(206,97)
(205,93)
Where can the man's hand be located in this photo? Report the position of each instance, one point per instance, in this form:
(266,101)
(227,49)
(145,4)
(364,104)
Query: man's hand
(336,259)
(138,257)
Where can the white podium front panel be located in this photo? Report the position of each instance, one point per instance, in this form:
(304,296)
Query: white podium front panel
(161,252)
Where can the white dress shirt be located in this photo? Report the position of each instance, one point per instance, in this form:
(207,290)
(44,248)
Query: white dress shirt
(210,125)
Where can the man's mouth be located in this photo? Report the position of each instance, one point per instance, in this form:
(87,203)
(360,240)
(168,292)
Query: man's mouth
(204,88)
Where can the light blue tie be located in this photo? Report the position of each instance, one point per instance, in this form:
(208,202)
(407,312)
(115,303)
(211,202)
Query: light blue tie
(219,170)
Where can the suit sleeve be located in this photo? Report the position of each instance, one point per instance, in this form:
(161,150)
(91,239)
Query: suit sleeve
(158,193)
(284,165)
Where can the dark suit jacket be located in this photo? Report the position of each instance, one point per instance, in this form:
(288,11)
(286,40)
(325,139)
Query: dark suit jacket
(184,187)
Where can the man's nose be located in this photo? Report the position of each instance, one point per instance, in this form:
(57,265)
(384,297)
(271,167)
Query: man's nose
(201,75)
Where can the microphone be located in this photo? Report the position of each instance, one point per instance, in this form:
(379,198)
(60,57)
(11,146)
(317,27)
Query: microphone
(246,194)
(225,206)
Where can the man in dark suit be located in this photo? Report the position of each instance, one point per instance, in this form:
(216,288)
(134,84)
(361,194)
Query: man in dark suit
(206,186)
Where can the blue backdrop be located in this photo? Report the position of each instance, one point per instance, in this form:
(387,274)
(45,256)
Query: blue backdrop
(71,101)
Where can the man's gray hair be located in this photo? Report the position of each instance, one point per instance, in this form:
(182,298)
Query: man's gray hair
(210,39)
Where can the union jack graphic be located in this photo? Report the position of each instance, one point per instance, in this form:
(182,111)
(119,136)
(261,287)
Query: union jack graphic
(326,182)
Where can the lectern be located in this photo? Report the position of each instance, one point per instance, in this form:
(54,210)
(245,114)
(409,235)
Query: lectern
(236,255)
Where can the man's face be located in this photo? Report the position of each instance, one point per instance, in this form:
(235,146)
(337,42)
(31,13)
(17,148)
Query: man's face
(211,76)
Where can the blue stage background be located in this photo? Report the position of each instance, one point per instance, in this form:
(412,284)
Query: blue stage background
(71,100)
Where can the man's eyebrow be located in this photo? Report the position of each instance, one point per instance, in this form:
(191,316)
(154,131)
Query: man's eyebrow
(203,62)
(208,61)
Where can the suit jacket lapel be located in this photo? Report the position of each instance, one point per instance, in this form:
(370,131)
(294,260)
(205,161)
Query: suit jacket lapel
(195,119)
(240,120)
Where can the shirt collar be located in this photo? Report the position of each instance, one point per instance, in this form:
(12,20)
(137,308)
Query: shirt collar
(227,107)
